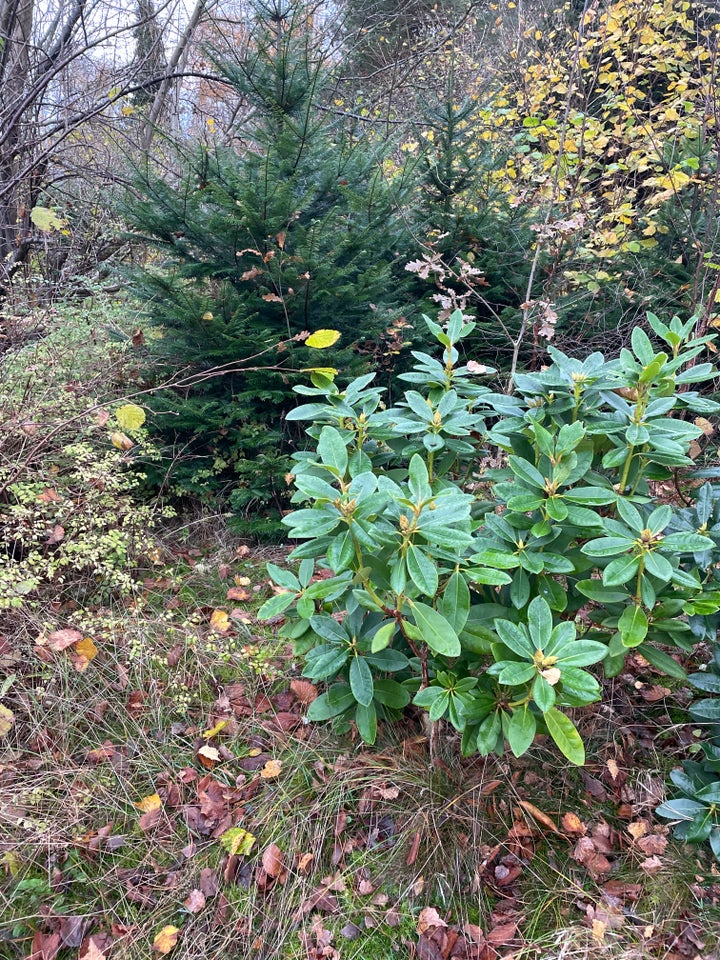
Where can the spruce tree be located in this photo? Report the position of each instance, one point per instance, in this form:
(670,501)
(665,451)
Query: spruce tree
(295,230)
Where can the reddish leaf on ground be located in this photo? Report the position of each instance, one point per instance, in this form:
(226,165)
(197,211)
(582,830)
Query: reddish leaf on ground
(272,860)
(429,919)
(195,901)
(305,692)
(572,823)
(62,639)
(45,946)
(586,853)
(502,934)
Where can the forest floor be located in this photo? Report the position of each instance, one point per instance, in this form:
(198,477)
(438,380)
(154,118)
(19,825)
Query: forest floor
(166,796)
(162,793)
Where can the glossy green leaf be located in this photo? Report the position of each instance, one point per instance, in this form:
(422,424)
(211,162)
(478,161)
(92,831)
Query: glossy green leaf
(276,605)
(435,630)
(423,571)
(540,622)
(620,571)
(361,681)
(514,674)
(543,694)
(568,740)
(633,626)
(455,602)
(514,638)
(527,472)
(521,730)
(366,722)
(383,636)
(332,451)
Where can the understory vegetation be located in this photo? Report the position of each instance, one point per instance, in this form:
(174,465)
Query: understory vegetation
(359,486)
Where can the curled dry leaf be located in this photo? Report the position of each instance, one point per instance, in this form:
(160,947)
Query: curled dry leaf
(272,860)
(214,731)
(237,593)
(305,692)
(195,901)
(572,823)
(613,768)
(652,865)
(537,814)
(92,948)
(305,862)
(82,653)
(166,939)
(429,919)
(589,856)
(121,440)
(57,535)
(208,756)
(637,829)
(271,770)
(149,803)
(653,843)
(62,639)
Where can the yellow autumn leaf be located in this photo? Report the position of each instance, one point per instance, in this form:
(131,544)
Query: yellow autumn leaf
(166,939)
(220,621)
(121,440)
(7,719)
(322,339)
(237,841)
(45,219)
(130,416)
(149,803)
(329,372)
(214,731)
(86,649)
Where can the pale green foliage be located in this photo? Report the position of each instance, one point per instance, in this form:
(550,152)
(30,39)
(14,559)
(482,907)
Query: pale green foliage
(70,522)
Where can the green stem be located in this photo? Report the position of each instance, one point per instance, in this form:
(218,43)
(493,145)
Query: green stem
(638,582)
(626,469)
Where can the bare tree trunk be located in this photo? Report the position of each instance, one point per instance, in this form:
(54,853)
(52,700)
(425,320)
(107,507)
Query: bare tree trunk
(16,20)
(155,112)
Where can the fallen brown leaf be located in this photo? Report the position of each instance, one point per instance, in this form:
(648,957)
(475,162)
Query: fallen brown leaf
(502,934)
(149,803)
(586,853)
(305,692)
(572,823)
(272,860)
(429,919)
(62,639)
(237,593)
(537,814)
(195,901)
(220,621)
(271,770)
(652,844)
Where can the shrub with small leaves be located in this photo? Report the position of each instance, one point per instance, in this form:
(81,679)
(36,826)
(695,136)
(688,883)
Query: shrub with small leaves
(484,594)
(71,523)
